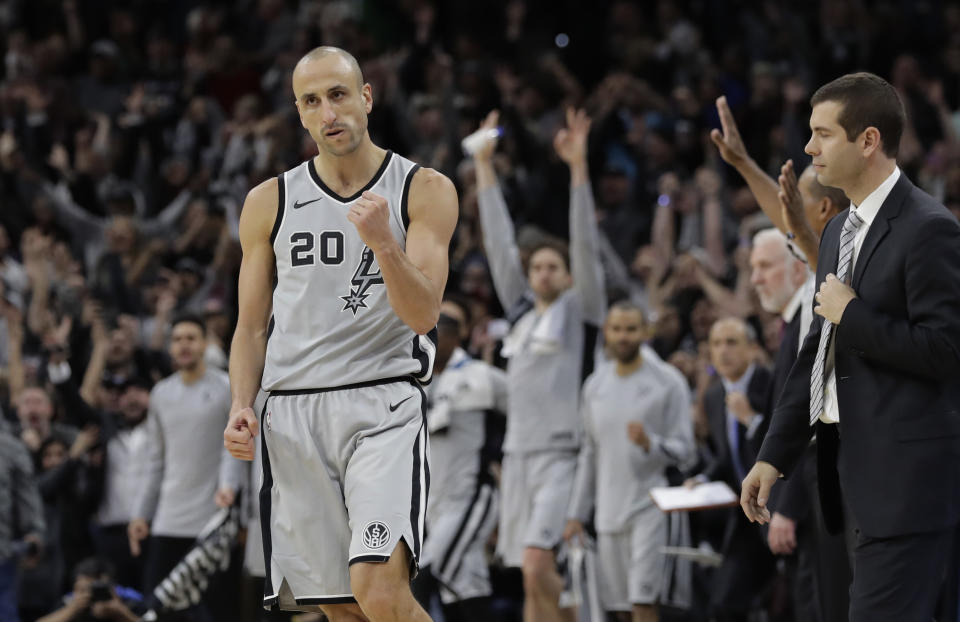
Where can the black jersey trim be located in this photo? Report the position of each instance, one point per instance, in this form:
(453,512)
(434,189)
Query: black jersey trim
(476,532)
(415,488)
(405,195)
(311,167)
(448,554)
(265,500)
(326,600)
(281,201)
(344,387)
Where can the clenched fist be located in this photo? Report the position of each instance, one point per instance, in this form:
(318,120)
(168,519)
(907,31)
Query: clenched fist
(238,436)
(370,214)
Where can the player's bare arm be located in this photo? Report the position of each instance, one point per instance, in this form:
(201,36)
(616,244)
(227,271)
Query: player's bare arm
(249,346)
(416,277)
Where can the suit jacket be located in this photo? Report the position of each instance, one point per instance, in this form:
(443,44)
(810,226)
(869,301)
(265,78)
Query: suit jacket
(747,562)
(720,467)
(897,361)
(791,498)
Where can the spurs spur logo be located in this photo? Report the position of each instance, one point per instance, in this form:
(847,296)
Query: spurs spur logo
(363,279)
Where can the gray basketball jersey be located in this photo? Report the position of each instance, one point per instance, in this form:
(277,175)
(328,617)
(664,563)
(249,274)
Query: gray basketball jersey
(332,323)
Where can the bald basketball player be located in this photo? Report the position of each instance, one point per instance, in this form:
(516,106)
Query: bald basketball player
(357,239)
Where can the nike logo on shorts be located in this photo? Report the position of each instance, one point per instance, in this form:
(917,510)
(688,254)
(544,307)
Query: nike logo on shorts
(298,204)
(393,407)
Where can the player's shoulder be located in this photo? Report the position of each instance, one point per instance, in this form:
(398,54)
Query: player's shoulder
(670,376)
(600,373)
(261,210)
(430,179)
(163,385)
(430,186)
(265,193)
(479,366)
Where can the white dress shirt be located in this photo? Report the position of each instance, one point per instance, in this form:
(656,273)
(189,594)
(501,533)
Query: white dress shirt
(802,303)
(868,212)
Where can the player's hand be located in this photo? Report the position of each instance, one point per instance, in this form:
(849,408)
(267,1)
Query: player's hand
(637,434)
(740,407)
(137,531)
(755,491)
(574,529)
(225,497)
(791,203)
(371,216)
(485,151)
(691,482)
(238,436)
(833,298)
(782,536)
(729,143)
(571,141)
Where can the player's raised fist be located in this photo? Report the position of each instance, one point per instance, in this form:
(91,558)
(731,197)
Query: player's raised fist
(370,214)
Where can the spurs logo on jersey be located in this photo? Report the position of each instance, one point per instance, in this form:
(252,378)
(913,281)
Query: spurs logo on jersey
(362,279)
(376,535)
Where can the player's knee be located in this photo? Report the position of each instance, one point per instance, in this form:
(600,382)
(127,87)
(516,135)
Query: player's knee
(538,571)
(376,588)
(645,613)
(377,603)
(343,613)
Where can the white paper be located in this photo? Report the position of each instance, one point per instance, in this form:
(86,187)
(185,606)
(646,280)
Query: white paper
(708,495)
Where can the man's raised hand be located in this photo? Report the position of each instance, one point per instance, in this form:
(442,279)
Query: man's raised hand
(729,142)
(571,141)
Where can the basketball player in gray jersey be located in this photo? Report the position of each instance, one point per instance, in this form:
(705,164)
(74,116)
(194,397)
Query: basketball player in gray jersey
(637,422)
(353,245)
(550,350)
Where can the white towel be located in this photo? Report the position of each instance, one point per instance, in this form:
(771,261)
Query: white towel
(540,333)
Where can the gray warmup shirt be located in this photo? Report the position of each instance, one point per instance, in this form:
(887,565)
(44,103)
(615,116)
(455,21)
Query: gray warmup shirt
(185,454)
(548,353)
(612,472)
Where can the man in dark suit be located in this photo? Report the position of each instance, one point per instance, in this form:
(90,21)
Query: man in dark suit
(817,560)
(737,417)
(877,373)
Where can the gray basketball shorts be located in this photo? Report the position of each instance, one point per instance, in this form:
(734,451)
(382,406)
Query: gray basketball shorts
(457,533)
(535,492)
(345,478)
(631,562)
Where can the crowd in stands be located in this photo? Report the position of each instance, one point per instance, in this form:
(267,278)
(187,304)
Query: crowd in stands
(130,133)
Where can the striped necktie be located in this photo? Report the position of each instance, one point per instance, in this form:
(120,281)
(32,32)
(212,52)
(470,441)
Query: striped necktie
(850,228)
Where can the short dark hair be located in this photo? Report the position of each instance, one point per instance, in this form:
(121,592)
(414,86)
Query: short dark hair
(628,306)
(836,195)
(557,247)
(867,100)
(94,567)
(189,318)
(461,301)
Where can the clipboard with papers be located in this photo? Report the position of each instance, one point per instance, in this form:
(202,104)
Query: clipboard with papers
(707,496)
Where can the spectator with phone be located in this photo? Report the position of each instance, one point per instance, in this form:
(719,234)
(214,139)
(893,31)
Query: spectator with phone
(96,596)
